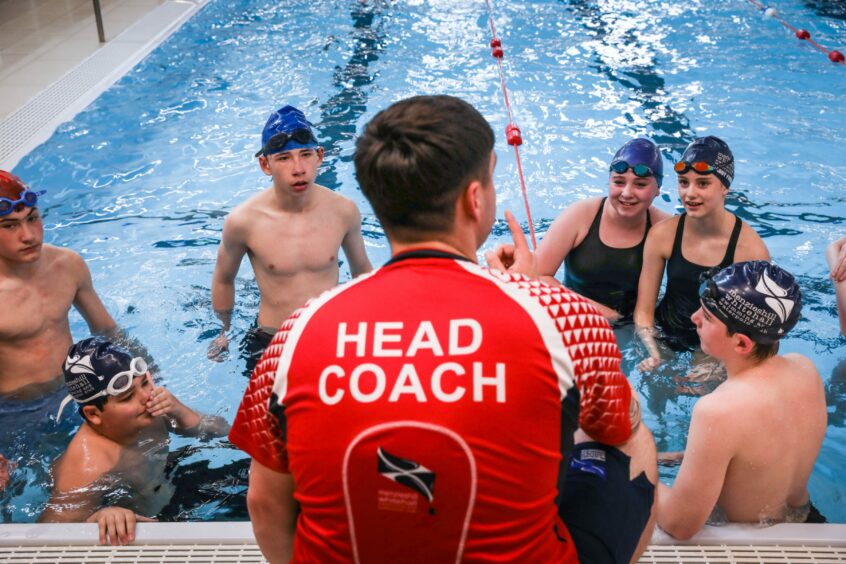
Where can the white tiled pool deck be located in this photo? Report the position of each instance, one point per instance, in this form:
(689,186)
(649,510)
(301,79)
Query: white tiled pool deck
(41,40)
(51,66)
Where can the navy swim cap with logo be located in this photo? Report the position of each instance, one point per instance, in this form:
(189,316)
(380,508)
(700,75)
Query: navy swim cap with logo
(642,151)
(90,366)
(715,152)
(289,124)
(755,298)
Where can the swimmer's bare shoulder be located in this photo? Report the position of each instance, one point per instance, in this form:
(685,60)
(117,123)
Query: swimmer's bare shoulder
(87,458)
(750,246)
(240,222)
(661,235)
(345,207)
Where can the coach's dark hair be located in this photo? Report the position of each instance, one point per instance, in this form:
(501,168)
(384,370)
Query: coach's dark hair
(414,158)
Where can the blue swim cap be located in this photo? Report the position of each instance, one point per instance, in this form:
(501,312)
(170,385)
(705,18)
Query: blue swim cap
(755,298)
(287,120)
(642,151)
(715,152)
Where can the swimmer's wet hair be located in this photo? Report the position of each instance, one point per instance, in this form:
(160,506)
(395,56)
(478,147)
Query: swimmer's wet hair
(414,158)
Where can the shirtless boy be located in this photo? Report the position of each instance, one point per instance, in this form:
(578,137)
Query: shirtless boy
(118,455)
(753,441)
(291,232)
(38,285)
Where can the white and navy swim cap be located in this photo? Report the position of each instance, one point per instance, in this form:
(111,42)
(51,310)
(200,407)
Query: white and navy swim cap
(715,152)
(755,298)
(90,366)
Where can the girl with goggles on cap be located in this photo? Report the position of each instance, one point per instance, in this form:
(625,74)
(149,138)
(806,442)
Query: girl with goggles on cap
(705,235)
(600,240)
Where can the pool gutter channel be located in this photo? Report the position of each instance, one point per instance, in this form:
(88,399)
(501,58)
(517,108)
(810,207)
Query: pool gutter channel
(240,532)
(33,123)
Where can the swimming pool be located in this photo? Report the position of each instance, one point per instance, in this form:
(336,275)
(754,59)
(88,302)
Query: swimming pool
(140,181)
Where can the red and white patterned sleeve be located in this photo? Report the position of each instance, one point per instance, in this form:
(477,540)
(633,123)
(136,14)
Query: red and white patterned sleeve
(257,429)
(605,393)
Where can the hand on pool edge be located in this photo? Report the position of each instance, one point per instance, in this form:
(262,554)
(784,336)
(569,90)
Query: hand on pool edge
(117,524)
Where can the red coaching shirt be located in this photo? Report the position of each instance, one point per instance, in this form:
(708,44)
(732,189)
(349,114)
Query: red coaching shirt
(423,410)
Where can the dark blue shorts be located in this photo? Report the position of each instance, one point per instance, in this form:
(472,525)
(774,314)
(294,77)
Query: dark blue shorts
(33,422)
(252,347)
(604,511)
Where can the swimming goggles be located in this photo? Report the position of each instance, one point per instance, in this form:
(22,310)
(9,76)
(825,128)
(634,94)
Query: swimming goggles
(276,143)
(27,198)
(119,384)
(639,170)
(701,167)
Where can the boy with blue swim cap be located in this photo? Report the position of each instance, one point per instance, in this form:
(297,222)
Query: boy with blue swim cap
(121,446)
(752,442)
(291,232)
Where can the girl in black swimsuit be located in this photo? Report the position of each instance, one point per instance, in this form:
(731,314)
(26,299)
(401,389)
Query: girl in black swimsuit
(600,240)
(704,236)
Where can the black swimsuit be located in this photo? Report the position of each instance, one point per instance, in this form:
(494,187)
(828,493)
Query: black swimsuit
(604,274)
(681,298)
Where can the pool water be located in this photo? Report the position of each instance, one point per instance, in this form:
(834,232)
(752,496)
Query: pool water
(139,183)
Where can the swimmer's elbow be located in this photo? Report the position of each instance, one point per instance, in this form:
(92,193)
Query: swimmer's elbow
(678,526)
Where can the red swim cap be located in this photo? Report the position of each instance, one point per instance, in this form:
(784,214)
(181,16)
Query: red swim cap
(10,185)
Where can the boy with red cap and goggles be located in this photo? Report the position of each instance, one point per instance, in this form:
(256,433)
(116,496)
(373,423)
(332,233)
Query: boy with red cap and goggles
(291,232)
(705,235)
(122,442)
(752,442)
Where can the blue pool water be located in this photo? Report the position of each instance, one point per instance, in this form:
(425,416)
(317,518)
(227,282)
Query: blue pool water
(139,182)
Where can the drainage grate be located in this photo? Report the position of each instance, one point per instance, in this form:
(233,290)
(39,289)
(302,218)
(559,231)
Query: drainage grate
(743,554)
(249,553)
(181,554)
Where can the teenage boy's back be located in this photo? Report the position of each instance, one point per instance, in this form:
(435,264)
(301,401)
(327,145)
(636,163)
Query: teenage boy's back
(753,442)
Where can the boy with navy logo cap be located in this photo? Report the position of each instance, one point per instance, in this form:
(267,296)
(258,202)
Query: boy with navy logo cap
(291,232)
(752,442)
(120,449)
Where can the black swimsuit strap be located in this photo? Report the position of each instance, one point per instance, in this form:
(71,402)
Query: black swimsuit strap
(677,242)
(597,218)
(735,235)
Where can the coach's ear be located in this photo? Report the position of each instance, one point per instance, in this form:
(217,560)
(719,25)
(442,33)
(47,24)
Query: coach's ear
(471,202)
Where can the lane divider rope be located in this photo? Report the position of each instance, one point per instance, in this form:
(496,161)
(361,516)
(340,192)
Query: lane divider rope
(512,133)
(834,56)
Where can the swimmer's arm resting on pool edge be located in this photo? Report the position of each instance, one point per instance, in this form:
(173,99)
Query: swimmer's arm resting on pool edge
(682,510)
(76,498)
(273,512)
